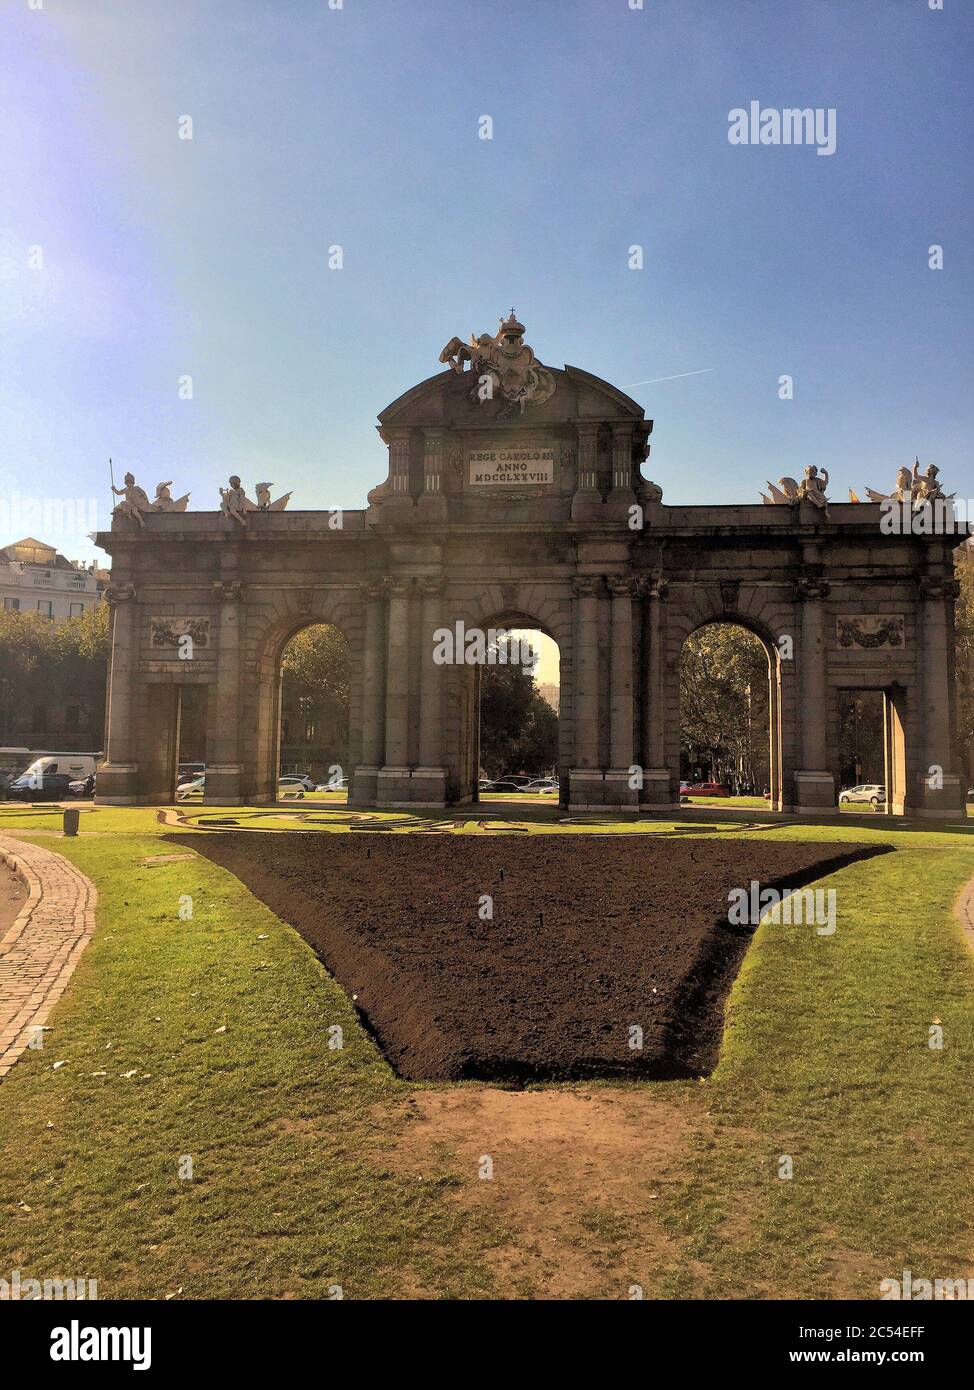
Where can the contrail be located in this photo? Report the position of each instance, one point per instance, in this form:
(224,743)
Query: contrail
(652,381)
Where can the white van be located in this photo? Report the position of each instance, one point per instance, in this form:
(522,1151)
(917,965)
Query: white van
(75,765)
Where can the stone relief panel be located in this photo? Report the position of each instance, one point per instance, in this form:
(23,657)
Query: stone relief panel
(871,631)
(170,632)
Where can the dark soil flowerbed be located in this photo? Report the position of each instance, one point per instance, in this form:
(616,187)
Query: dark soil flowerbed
(589,936)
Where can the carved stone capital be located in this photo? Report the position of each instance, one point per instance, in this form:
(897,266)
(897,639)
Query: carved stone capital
(937,586)
(120,593)
(654,588)
(586,585)
(622,586)
(811,589)
(227,591)
(431,586)
(373,589)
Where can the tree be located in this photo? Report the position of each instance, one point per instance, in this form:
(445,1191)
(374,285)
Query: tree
(518,728)
(53,677)
(724,704)
(315,699)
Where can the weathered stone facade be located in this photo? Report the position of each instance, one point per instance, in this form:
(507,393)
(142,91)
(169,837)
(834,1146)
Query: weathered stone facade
(497,516)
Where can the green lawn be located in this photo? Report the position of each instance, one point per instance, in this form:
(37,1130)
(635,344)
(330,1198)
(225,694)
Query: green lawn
(826,1059)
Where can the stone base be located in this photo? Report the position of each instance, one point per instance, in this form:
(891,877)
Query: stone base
(618,792)
(587,505)
(222,786)
(393,786)
(428,786)
(936,803)
(657,793)
(431,506)
(362,790)
(117,784)
(814,793)
(586,789)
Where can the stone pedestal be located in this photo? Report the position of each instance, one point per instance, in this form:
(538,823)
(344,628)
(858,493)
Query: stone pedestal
(814,793)
(586,789)
(393,786)
(222,786)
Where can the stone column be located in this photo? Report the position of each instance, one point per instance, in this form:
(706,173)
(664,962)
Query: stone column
(656,775)
(373,694)
(939,788)
(587,502)
(623,495)
(429,778)
(814,784)
(223,766)
(617,779)
(118,776)
(587,786)
(432,503)
(393,781)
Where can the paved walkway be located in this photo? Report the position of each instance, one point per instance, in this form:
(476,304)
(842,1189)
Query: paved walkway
(41,949)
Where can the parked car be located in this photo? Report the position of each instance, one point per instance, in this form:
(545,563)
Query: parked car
(485,785)
(543,786)
(708,789)
(40,786)
(189,791)
(85,786)
(507,788)
(293,781)
(340,784)
(873,792)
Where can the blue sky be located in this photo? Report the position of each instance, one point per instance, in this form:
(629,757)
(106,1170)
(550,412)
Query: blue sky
(312,127)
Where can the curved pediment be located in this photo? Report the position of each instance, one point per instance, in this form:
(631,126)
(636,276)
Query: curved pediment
(450,399)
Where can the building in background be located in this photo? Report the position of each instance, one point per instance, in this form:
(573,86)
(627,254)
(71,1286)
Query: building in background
(549,692)
(35,578)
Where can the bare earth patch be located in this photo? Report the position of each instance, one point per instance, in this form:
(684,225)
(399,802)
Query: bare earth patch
(540,959)
(577,1177)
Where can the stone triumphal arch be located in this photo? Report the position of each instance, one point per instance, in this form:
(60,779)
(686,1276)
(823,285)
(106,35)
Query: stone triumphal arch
(515,495)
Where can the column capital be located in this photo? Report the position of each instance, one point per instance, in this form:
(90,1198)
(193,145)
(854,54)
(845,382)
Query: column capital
(587,585)
(120,593)
(937,586)
(227,591)
(430,585)
(811,588)
(656,589)
(622,586)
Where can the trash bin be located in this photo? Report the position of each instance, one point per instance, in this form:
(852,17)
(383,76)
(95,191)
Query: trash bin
(71,820)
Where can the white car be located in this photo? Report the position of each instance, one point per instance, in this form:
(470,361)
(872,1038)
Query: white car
(189,791)
(340,784)
(873,792)
(294,785)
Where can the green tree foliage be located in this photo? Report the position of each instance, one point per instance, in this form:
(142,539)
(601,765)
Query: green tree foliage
(45,665)
(518,728)
(315,698)
(724,705)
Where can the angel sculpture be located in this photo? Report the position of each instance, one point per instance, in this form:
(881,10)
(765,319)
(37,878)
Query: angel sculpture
(235,503)
(902,492)
(812,487)
(136,502)
(165,502)
(264,503)
(926,486)
(784,494)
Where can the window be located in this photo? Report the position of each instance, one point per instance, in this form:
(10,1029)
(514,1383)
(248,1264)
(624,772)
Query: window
(12,605)
(45,607)
(77,609)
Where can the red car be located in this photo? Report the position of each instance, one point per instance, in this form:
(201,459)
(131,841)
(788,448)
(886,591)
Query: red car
(709,789)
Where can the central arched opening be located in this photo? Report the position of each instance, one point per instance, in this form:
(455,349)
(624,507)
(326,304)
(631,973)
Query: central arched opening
(518,757)
(313,725)
(728,724)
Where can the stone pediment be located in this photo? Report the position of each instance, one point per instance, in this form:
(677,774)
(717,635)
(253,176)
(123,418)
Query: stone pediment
(449,400)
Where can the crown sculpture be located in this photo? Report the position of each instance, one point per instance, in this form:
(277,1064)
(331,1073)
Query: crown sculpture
(504,365)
